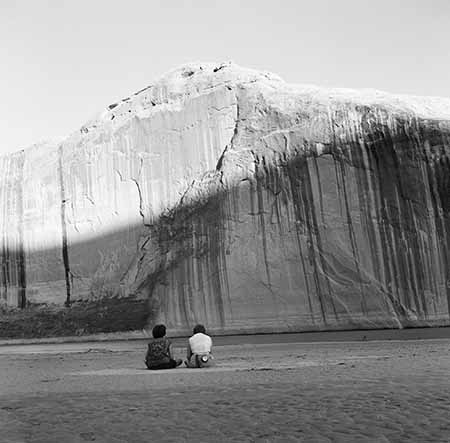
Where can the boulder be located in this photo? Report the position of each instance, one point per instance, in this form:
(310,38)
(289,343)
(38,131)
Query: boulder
(225,196)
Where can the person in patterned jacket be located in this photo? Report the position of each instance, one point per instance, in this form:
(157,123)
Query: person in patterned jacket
(159,352)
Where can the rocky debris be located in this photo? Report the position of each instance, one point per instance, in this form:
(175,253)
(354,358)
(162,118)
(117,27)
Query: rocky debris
(225,196)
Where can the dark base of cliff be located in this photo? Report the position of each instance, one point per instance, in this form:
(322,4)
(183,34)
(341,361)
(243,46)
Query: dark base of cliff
(107,315)
(115,315)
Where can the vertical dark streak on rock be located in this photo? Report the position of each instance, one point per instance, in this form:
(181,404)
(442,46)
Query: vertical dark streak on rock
(13,259)
(281,178)
(416,261)
(5,249)
(421,256)
(313,226)
(4,264)
(335,148)
(21,261)
(65,252)
(191,272)
(279,187)
(439,223)
(385,277)
(426,247)
(295,171)
(351,233)
(216,244)
(259,175)
(198,235)
(251,193)
(444,192)
(387,182)
(319,184)
(380,182)
(276,209)
(182,287)
(366,203)
(399,217)
(305,275)
(404,163)
(338,184)
(274,186)
(230,208)
(441,204)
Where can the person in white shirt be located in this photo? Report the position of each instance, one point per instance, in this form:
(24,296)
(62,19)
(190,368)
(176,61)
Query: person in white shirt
(199,349)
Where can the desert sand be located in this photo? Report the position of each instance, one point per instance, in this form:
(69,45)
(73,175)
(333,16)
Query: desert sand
(263,389)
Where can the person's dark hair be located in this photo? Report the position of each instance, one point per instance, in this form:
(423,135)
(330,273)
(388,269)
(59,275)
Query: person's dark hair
(159,331)
(199,328)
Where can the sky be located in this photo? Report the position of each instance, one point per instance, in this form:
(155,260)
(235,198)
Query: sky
(62,61)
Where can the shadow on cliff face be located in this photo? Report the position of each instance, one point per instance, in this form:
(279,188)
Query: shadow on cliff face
(92,296)
(354,238)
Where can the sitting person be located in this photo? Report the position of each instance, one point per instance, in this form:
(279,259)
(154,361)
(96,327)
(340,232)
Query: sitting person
(199,349)
(159,353)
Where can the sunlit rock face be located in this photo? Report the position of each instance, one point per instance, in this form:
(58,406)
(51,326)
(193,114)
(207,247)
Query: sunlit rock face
(225,196)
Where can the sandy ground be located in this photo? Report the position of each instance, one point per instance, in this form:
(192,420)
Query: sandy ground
(263,389)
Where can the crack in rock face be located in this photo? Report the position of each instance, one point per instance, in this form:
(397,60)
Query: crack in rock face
(224,196)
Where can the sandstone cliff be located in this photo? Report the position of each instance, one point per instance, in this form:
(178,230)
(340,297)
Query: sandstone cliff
(225,196)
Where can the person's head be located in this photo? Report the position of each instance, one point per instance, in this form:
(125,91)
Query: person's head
(159,331)
(199,328)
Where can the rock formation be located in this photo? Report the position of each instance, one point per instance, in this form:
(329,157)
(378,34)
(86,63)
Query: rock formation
(225,196)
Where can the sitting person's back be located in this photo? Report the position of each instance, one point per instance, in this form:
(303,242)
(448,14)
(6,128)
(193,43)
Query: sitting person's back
(199,349)
(159,352)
